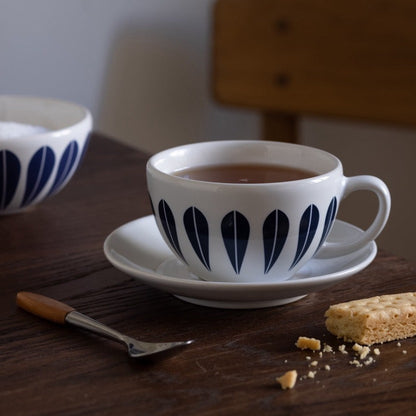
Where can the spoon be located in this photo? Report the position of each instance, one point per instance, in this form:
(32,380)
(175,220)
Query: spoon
(61,313)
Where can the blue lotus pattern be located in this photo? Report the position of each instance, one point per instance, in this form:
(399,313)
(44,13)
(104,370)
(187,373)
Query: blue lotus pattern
(169,226)
(66,166)
(196,226)
(235,231)
(329,220)
(9,174)
(275,231)
(39,171)
(307,229)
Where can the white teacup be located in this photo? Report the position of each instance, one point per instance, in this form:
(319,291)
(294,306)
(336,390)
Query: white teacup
(253,232)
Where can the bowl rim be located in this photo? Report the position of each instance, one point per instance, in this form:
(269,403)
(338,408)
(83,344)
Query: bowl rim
(86,117)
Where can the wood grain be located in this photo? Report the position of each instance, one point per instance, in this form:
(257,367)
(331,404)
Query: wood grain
(47,369)
(345,58)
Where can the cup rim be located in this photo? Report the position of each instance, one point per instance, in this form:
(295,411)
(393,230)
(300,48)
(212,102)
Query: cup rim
(151,167)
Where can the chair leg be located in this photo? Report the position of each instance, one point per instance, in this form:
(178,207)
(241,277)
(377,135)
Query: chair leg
(279,127)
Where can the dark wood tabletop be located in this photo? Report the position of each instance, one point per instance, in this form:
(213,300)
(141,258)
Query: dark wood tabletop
(56,250)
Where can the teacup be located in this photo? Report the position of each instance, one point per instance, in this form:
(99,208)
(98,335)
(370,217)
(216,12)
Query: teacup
(259,228)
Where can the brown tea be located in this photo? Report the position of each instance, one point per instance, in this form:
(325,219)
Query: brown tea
(244,173)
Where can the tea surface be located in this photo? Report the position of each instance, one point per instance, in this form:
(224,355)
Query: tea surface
(244,173)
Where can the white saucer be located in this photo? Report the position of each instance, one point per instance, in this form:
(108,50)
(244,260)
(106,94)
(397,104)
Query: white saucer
(138,249)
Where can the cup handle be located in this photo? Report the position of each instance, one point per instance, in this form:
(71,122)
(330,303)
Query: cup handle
(361,183)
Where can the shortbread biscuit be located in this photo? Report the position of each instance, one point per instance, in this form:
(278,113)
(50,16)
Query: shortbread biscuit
(374,320)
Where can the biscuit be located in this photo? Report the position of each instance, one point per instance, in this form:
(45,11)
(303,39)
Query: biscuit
(374,320)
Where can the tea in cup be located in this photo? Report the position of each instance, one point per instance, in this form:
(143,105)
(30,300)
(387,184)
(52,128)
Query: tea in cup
(253,211)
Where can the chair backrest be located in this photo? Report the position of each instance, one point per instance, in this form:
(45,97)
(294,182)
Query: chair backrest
(348,58)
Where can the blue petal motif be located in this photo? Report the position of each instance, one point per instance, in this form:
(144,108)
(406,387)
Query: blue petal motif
(196,226)
(169,226)
(9,177)
(85,148)
(307,229)
(39,171)
(235,230)
(275,231)
(151,205)
(65,166)
(329,219)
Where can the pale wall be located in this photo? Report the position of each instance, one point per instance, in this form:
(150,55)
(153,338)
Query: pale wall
(142,67)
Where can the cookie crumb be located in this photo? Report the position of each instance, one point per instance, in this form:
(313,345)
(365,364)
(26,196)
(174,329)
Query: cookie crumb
(356,363)
(327,348)
(305,343)
(327,367)
(376,351)
(369,361)
(342,349)
(311,374)
(362,351)
(288,379)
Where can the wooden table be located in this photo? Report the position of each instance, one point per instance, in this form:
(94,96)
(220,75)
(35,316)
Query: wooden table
(46,369)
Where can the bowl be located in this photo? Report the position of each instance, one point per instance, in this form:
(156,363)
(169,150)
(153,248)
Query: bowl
(42,142)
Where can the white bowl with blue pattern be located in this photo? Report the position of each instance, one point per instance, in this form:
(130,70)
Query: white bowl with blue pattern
(36,166)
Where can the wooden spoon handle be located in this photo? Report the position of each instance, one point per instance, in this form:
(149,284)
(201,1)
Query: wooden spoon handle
(43,306)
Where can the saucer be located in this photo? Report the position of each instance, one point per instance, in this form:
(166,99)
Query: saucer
(138,249)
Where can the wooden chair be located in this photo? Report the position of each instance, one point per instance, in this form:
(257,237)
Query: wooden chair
(288,58)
